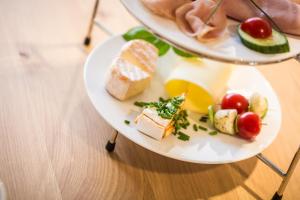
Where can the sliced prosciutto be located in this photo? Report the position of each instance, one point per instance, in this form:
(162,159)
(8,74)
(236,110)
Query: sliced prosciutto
(164,8)
(285,13)
(192,19)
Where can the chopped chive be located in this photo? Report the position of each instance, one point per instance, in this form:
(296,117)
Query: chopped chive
(195,127)
(127,122)
(203,119)
(202,128)
(213,133)
(183,136)
(140,104)
(162,99)
(170,109)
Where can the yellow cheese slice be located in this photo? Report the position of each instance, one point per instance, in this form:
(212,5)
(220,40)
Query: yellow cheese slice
(203,81)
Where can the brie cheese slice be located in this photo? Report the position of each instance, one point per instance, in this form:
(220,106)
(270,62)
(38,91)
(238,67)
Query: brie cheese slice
(142,54)
(126,79)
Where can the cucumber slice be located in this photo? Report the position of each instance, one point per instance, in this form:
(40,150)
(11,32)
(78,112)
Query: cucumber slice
(277,43)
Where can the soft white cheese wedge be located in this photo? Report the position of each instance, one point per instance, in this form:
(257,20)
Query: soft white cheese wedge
(151,124)
(126,79)
(142,54)
(224,120)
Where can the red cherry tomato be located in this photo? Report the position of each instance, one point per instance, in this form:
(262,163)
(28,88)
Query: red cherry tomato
(235,101)
(257,27)
(249,125)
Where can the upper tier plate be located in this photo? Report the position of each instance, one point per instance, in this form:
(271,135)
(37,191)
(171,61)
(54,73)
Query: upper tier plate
(227,49)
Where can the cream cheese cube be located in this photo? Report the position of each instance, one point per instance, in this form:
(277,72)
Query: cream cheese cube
(224,120)
(151,124)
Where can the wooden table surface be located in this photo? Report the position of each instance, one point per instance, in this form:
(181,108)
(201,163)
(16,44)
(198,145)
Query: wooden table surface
(52,139)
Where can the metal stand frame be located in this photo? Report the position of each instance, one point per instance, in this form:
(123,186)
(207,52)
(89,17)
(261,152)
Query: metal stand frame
(88,37)
(110,146)
(285,176)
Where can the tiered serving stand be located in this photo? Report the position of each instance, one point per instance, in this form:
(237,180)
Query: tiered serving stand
(110,146)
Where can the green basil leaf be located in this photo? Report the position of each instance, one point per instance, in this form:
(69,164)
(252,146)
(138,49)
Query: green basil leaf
(163,47)
(143,34)
(137,33)
(183,53)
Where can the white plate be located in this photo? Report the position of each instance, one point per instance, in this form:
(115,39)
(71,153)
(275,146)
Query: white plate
(227,49)
(201,148)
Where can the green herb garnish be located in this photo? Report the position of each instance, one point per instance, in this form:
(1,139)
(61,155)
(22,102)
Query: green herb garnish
(143,34)
(163,47)
(183,53)
(127,122)
(202,128)
(183,136)
(141,104)
(213,133)
(137,33)
(195,127)
(162,99)
(166,108)
(203,119)
(180,121)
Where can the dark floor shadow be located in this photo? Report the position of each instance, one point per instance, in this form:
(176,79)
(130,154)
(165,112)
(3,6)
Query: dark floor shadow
(205,181)
(219,178)
(242,171)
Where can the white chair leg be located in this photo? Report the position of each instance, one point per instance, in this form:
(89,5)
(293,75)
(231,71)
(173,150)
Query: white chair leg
(2,191)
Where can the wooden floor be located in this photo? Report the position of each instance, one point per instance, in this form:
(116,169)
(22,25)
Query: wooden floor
(52,139)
